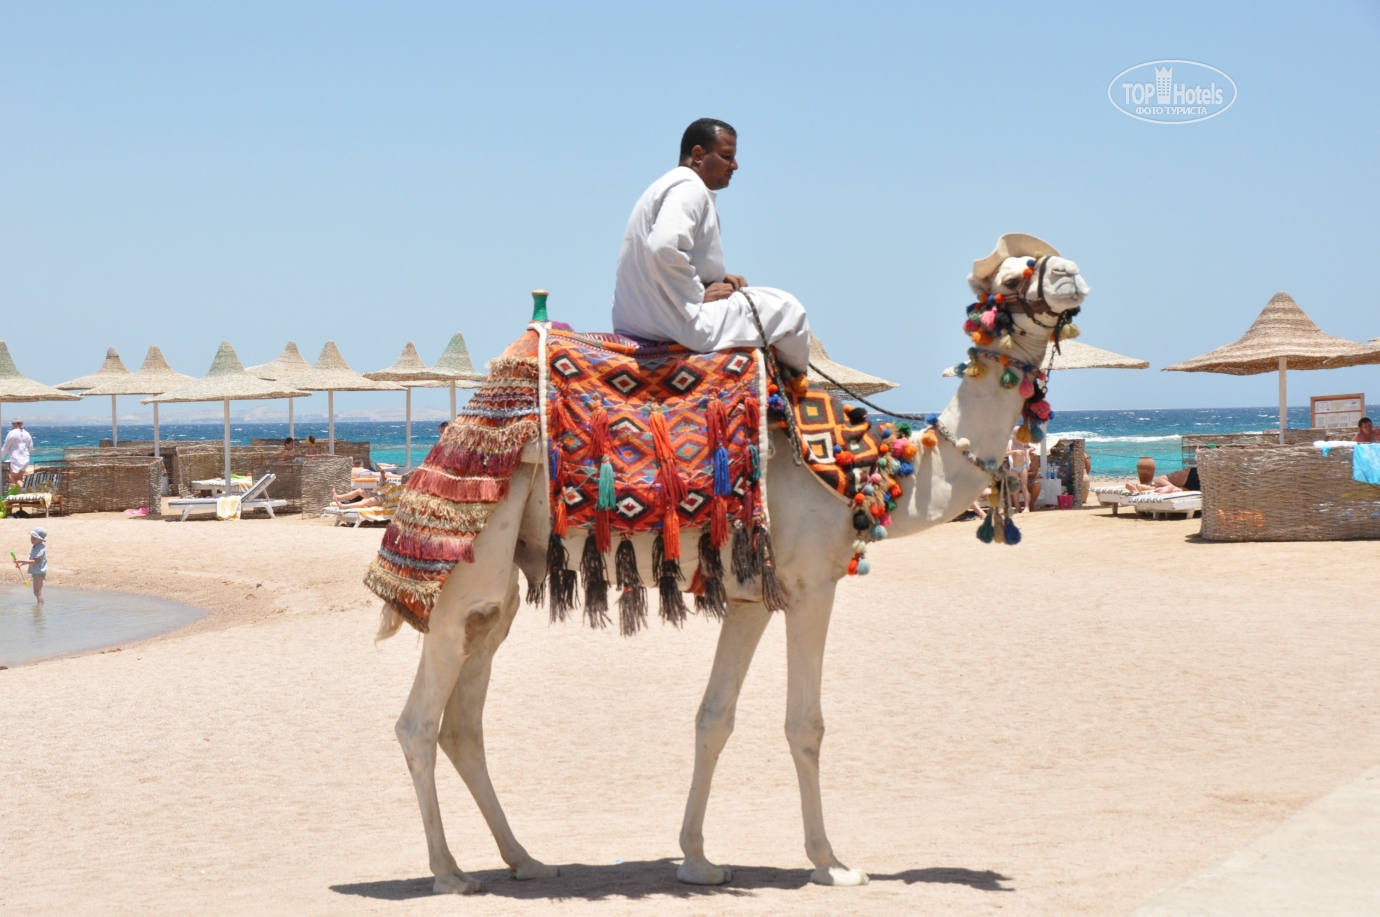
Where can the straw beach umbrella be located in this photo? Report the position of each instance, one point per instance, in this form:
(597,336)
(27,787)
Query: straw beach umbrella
(113,368)
(226,381)
(455,359)
(1281,338)
(856,380)
(409,371)
(330,374)
(1076,355)
(289,363)
(153,378)
(17,387)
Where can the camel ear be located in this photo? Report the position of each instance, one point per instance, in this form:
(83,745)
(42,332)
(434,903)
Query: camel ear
(977,286)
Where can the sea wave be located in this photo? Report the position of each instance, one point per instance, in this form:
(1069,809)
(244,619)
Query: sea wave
(1089,436)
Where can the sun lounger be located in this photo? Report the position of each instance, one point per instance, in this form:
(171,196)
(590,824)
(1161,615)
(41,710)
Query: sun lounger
(1115,497)
(357,517)
(39,488)
(1154,505)
(250,500)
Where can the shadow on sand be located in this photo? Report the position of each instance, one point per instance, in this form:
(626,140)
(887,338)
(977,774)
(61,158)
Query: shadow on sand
(644,878)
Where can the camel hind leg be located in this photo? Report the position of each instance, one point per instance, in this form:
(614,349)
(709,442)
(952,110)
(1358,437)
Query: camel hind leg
(475,593)
(462,733)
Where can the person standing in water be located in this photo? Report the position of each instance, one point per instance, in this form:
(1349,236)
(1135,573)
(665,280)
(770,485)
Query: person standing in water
(38,561)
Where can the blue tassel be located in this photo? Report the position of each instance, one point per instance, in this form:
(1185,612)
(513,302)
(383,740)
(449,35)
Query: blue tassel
(607,495)
(723,486)
(906,469)
(931,419)
(776,404)
(984,532)
(755,461)
(864,567)
(1036,434)
(551,457)
(878,532)
(1013,534)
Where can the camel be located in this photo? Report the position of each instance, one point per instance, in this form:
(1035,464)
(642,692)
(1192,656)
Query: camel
(813,537)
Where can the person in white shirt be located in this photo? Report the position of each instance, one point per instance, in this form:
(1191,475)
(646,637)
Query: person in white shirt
(16,451)
(672,284)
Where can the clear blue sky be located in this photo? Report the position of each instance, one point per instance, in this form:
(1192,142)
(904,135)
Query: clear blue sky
(184,173)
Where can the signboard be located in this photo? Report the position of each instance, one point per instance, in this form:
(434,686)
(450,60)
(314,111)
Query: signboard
(1333,411)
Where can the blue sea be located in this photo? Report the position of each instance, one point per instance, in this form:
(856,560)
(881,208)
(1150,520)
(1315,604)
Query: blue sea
(1115,439)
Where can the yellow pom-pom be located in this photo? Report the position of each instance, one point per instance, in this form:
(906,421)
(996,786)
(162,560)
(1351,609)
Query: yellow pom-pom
(1070,332)
(1023,434)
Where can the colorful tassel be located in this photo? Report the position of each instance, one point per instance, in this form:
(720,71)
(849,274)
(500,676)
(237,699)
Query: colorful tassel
(1027,388)
(984,532)
(632,602)
(595,574)
(608,495)
(666,572)
(1009,379)
(560,577)
(1013,534)
(864,567)
(773,595)
(712,598)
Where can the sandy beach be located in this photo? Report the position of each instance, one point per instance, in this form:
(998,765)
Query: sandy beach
(1064,727)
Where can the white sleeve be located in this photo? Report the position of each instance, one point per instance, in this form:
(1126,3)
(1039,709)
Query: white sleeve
(672,240)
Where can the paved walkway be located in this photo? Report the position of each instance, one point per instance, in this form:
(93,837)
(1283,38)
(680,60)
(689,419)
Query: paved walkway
(1323,860)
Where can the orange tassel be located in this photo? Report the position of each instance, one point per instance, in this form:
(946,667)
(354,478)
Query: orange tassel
(672,485)
(670,531)
(560,523)
(603,539)
(718,522)
(599,430)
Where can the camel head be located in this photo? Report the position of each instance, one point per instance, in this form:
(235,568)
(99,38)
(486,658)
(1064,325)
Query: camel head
(1028,280)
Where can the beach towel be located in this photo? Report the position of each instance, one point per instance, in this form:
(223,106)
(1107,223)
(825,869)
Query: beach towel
(1365,462)
(228,507)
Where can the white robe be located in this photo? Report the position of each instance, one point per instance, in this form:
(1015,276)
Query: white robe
(671,252)
(18,442)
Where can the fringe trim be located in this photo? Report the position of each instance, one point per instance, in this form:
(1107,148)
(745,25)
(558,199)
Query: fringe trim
(632,601)
(666,572)
(745,566)
(412,599)
(712,599)
(773,596)
(536,590)
(596,578)
(419,545)
(491,440)
(503,368)
(433,512)
(436,483)
(561,578)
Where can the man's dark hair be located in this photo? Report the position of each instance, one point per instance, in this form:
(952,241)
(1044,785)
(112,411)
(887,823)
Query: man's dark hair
(287,441)
(703,133)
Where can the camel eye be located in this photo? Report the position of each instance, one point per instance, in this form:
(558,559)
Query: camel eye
(1011,282)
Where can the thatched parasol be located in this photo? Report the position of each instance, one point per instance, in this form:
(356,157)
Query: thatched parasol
(1281,338)
(153,378)
(330,374)
(855,381)
(455,359)
(226,381)
(289,363)
(1076,355)
(409,371)
(17,387)
(113,368)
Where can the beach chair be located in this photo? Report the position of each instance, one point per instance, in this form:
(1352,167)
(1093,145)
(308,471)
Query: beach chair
(356,517)
(39,488)
(1187,502)
(252,499)
(1115,497)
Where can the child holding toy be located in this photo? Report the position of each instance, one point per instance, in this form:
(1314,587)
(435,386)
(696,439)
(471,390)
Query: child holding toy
(38,561)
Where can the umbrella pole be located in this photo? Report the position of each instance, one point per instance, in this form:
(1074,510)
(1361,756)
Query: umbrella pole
(289,418)
(155,430)
(1283,397)
(114,424)
(227,447)
(330,433)
(452,399)
(408,465)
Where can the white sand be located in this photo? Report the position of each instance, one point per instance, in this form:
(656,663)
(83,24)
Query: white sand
(1064,727)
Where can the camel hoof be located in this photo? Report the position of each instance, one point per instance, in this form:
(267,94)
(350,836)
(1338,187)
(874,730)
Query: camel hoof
(703,872)
(533,869)
(457,884)
(838,875)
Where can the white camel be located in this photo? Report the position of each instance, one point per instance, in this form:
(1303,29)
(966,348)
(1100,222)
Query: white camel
(813,535)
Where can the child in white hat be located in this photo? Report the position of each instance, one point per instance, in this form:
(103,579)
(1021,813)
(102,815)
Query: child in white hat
(38,561)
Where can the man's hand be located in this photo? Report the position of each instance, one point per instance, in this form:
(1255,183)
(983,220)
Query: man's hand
(737,281)
(717,291)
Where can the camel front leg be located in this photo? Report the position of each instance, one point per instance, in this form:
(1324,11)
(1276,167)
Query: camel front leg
(738,638)
(807,626)
(462,735)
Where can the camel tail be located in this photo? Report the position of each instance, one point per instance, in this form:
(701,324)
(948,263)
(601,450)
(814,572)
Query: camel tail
(389,623)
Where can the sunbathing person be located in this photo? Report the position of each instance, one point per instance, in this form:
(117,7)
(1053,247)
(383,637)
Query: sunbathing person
(356,498)
(1366,432)
(1175,482)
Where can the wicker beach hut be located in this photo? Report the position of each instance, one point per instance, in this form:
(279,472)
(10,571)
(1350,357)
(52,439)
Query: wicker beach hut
(455,359)
(1281,338)
(288,363)
(410,372)
(15,387)
(226,381)
(330,374)
(113,368)
(840,379)
(153,378)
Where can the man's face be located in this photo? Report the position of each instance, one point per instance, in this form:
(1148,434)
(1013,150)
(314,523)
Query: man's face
(716,167)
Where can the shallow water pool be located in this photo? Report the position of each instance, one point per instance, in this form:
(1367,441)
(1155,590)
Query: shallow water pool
(76,620)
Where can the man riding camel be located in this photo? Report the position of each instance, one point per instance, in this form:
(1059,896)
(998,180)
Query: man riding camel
(672,285)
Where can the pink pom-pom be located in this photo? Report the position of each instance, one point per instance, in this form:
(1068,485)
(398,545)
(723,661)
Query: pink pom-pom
(1040,409)
(989,319)
(876,478)
(970,326)
(885,520)
(1027,388)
